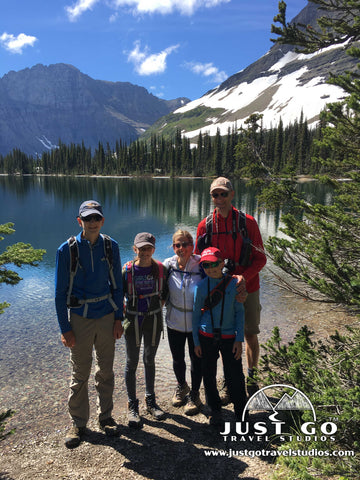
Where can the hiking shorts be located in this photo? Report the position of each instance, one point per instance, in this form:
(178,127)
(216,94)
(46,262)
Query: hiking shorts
(252,313)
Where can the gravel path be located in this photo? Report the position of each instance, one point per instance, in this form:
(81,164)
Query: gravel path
(171,449)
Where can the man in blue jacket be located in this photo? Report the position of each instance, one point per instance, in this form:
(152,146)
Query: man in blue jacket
(88,284)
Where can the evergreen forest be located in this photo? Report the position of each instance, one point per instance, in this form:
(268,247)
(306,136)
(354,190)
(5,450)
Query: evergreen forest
(319,256)
(290,149)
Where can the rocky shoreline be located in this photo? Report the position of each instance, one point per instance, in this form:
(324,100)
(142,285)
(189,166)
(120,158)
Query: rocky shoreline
(175,448)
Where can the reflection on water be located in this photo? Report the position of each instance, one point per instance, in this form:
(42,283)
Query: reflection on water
(44,208)
(34,367)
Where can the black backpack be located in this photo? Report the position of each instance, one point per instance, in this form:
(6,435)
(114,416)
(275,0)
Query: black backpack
(205,240)
(74,262)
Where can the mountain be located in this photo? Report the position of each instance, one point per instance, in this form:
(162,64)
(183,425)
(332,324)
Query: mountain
(297,402)
(280,84)
(42,104)
(259,401)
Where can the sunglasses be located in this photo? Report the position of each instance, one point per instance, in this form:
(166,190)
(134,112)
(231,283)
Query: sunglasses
(182,244)
(211,264)
(222,194)
(89,218)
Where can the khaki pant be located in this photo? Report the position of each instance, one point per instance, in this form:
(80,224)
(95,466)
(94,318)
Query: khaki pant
(252,309)
(98,334)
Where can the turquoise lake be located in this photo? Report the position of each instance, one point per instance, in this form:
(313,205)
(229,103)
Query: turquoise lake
(34,370)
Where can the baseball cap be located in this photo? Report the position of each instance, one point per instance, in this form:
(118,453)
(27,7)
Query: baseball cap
(90,207)
(144,238)
(221,183)
(210,254)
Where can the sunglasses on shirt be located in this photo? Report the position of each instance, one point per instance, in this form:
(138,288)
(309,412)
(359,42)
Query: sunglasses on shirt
(211,264)
(222,194)
(182,244)
(96,218)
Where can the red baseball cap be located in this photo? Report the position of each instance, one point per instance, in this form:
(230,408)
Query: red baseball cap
(210,254)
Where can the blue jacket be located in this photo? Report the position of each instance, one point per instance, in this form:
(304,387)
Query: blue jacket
(91,281)
(233,318)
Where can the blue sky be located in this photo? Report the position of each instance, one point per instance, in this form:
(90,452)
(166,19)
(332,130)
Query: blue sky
(173,48)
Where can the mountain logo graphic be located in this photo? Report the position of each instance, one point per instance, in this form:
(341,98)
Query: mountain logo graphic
(295,401)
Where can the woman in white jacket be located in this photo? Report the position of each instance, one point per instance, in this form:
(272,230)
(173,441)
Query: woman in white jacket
(184,274)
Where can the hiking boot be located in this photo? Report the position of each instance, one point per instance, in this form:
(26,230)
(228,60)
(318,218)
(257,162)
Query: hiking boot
(193,404)
(215,418)
(251,386)
(180,395)
(153,408)
(109,426)
(73,437)
(224,395)
(134,419)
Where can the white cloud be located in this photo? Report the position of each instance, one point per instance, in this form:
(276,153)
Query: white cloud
(113,18)
(79,8)
(16,44)
(185,7)
(149,64)
(157,91)
(207,70)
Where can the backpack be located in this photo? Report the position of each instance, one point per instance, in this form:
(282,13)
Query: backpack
(131,303)
(74,263)
(216,294)
(129,277)
(205,240)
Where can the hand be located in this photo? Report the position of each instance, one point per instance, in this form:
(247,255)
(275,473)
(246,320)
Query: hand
(68,339)
(118,329)
(240,288)
(237,350)
(198,351)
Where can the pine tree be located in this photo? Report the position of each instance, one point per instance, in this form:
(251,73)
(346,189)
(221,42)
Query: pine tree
(322,251)
(177,152)
(328,373)
(198,166)
(279,143)
(249,154)
(218,155)
(228,156)
(207,151)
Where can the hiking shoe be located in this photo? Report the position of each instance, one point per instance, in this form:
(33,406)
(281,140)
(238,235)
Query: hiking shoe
(179,396)
(251,386)
(193,404)
(109,426)
(74,435)
(153,408)
(215,418)
(134,419)
(224,395)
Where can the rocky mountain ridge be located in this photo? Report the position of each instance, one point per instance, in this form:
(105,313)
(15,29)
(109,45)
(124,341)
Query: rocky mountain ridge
(281,84)
(42,104)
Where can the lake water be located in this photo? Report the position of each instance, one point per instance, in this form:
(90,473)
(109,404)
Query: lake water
(34,368)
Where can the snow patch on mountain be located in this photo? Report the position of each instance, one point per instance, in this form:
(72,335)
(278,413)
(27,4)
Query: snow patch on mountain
(46,142)
(274,93)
